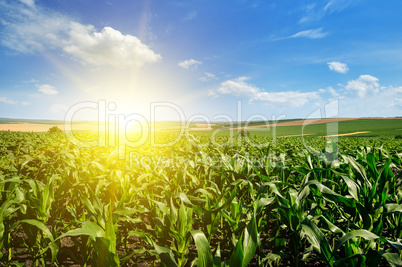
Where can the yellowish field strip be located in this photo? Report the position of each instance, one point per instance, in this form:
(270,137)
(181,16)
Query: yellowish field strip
(27,127)
(346,134)
(37,127)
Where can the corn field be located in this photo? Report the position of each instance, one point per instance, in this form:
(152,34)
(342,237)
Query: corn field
(233,202)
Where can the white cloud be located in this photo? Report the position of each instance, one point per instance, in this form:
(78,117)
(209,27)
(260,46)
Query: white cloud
(208,77)
(397,102)
(336,5)
(366,97)
(108,47)
(47,89)
(396,89)
(333,92)
(338,67)
(293,98)
(330,90)
(385,103)
(7,101)
(314,12)
(30,3)
(239,87)
(190,63)
(312,34)
(30,30)
(364,85)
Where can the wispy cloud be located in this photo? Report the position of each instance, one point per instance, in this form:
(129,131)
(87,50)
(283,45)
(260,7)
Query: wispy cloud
(337,5)
(189,63)
(30,81)
(47,89)
(190,16)
(30,3)
(7,101)
(239,87)
(312,34)
(30,29)
(314,12)
(208,77)
(338,66)
(331,91)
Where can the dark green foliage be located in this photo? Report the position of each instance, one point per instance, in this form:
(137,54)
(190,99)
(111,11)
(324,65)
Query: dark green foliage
(55,129)
(243,133)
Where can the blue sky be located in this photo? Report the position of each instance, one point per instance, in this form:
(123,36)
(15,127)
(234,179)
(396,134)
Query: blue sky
(280,59)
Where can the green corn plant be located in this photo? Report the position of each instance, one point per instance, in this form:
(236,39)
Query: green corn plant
(6,210)
(181,233)
(233,217)
(178,225)
(41,196)
(102,251)
(241,255)
(12,199)
(41,240)
(213,202)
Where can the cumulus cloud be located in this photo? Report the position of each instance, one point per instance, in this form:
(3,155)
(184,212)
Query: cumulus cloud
(29,29)
(107,47)
(364,85)
(47,89)
(190,63)
(239,87)
(312,34)
(338,67)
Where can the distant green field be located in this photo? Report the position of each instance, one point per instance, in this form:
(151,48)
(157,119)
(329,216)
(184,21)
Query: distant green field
(375,128)
(252,123)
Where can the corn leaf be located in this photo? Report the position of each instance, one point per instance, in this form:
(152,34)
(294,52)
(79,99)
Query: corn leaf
(205,258)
